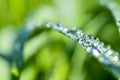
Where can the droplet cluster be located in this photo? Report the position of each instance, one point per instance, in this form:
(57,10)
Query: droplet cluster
(91,44)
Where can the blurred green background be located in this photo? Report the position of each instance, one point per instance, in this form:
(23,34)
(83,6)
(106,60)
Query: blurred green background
(50,55)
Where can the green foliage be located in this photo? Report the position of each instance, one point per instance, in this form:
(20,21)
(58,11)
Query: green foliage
(50,55)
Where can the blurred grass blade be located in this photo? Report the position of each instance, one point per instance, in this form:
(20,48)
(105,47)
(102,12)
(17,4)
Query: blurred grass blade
(114,7)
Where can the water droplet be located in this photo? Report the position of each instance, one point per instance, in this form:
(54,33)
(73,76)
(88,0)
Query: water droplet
(58,26)
(108,53)
(93,51)
(65,30)
(48,24)
(73,34)
(115,58)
